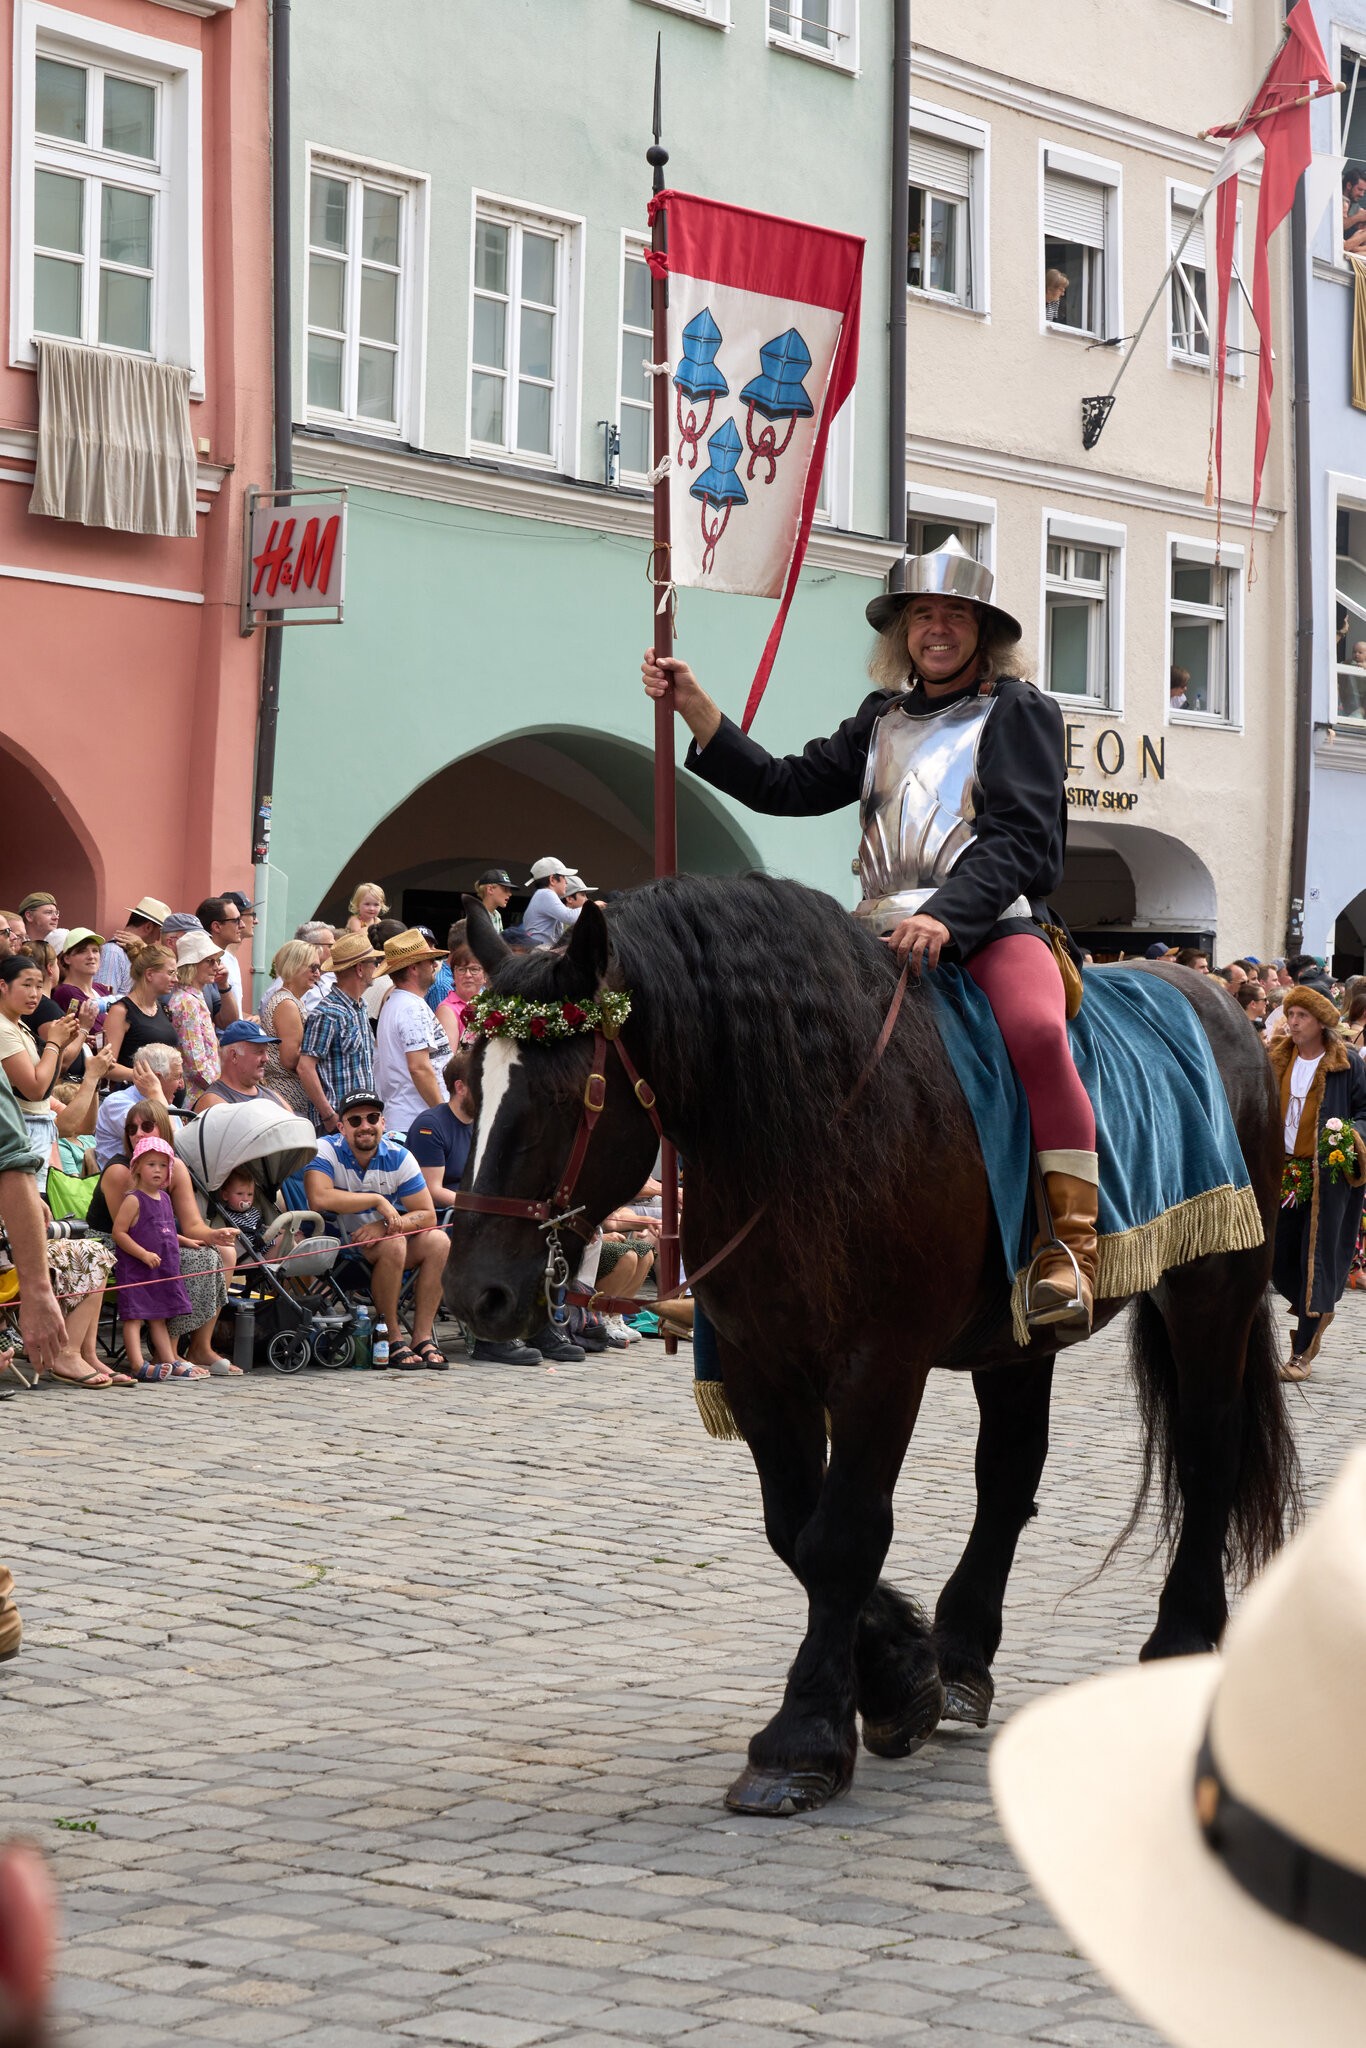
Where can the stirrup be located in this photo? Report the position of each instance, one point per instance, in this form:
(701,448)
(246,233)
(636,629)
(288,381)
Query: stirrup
(1074,1311)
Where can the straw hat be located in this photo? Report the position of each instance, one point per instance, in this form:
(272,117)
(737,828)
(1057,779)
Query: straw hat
(1155,1851)
(409,949)
(350,948)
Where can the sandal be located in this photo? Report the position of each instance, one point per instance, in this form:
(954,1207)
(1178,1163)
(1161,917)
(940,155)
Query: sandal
(1296,1369)
(403,1358)
(152,1374)
(92,1378)
(431,1355)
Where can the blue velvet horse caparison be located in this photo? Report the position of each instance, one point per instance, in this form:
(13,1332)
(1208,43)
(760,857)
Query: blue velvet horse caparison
(755,1006)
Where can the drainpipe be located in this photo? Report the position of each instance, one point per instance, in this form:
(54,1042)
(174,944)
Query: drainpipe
(268,716)
(896,324)
(1304,578)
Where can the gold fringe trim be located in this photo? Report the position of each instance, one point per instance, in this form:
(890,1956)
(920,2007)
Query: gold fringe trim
(1225,1219)
(714,1409)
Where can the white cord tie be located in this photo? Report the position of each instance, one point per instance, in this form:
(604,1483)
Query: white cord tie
(655,369)
(660,471)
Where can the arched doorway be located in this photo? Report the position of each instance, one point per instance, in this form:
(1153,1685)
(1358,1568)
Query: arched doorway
(1349,939)
(585,797)
(45,845)
(1125,886)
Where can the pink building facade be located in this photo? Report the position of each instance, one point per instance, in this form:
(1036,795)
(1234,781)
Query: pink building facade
(138,140)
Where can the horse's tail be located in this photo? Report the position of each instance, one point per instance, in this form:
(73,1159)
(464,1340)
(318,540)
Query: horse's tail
(1266,1494)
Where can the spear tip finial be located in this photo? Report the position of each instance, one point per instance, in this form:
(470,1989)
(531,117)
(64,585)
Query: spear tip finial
(657,155)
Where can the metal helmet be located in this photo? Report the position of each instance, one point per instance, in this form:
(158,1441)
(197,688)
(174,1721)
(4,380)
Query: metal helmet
(949,572)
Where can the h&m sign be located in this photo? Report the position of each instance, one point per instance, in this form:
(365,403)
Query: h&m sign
(294,573)
(1109,754)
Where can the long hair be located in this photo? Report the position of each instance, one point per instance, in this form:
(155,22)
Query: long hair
(889,664)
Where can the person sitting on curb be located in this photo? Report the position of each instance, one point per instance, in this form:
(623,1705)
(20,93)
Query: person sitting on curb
(385,1211)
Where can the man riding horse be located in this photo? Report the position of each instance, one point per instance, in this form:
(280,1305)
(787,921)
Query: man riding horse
(958,764)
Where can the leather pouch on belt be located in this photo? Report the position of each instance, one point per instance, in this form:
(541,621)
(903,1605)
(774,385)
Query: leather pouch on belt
(1067,967)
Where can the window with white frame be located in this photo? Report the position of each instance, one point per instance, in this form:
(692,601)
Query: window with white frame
(1350,623)
(635,415)
(519,342)
(1079,617)
(362,313)
(835,493)
(715,11)
(1188,286)
(1350,234)
(1201,597)
(939,247)
(923,536)
(108,185)
(817,28)
(1080,245)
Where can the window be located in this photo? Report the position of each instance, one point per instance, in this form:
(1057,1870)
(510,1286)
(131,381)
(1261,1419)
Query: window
(635,415)
(1082,624)
(1200,595)
(1080,249)
(938,257)
(363,317)
(1350,627)
(108,186)
(1188,287)
(816,28)
(519,349)
(1352,113)
(835,494)
(923,536)
(715,11)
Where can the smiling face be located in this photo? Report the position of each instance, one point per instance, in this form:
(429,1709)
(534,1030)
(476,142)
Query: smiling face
(80,964)
(941,637)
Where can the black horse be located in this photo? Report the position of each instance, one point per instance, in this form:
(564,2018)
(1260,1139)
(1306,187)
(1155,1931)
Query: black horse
(755,1005)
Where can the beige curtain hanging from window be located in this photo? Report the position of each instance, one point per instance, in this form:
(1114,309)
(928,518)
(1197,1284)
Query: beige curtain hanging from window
(1358,332)
(114,444)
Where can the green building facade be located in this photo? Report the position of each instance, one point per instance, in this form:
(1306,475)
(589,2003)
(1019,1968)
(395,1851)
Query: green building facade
(469,190)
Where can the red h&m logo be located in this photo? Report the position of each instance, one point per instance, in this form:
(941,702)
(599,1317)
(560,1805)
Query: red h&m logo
(281,574)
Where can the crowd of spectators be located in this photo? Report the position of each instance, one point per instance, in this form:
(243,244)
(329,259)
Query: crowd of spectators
(361,1029)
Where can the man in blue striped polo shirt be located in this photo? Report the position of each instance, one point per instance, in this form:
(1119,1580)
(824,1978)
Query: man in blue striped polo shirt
(384,1209)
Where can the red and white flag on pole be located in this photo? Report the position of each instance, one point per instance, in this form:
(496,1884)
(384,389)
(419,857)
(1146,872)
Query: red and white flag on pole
(763,326)
(1277,120)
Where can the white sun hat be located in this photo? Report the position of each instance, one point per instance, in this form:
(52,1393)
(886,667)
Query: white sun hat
(1199,1825)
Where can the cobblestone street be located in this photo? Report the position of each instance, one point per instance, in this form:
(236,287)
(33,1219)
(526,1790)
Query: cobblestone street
(358,1708)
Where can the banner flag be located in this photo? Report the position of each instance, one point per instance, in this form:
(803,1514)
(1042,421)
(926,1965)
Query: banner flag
(1278,118)
(763,323)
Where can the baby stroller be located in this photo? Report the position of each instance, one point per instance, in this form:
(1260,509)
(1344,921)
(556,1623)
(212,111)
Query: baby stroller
(297,1304)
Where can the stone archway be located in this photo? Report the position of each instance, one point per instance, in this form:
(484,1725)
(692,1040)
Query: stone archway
(45,844)
(586,797)
(1125,886)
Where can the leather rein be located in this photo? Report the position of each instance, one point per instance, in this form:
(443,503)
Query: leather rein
(558,1211)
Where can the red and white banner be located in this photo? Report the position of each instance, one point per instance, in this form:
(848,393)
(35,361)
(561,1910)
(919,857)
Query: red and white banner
(1278,120)
(763,322)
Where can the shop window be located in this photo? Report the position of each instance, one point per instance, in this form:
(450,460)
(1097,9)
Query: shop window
(1079,618)
(362,307)
(1080,250)
(826,29)
(109,243)
(1350,626)
(522,313)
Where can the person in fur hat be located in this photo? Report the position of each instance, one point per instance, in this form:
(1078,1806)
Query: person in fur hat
(1323,1103)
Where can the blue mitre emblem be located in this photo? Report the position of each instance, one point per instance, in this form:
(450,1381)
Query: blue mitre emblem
(718,484)
(697,375)
(779,393)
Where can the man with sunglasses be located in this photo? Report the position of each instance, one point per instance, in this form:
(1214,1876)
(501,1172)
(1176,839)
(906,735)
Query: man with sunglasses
(384,1210)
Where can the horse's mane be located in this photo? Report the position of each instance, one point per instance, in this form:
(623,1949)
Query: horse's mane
(758,1003)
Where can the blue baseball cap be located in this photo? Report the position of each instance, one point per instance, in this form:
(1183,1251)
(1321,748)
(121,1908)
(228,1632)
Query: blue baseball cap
(246,1031)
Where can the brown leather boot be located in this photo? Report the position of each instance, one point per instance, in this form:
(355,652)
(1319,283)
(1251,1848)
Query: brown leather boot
(1059,1296)
(11,1627)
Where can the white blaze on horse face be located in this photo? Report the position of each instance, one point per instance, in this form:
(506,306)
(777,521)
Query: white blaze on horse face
(500,1058)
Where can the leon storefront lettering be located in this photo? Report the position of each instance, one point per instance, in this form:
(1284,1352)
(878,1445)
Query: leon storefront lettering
(1108,754)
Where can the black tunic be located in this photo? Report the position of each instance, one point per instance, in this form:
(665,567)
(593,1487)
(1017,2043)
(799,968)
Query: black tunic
(1021,822)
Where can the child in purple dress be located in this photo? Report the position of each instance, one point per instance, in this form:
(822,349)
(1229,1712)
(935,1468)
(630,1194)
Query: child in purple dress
(145,1234)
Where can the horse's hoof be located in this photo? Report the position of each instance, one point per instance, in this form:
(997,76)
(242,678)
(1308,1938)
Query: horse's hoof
(777,1793)
(968,1699)
(911,1728)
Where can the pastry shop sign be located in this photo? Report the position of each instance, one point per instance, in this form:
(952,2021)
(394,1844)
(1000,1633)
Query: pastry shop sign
(294,573)
(1108,754)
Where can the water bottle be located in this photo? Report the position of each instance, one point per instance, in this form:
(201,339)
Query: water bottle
(244,1335)
(361,1338)
(379,1350)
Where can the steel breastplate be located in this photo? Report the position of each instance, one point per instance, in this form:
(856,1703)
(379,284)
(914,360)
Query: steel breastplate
(919,808)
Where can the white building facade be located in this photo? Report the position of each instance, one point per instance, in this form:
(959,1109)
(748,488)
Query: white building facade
(1054,172)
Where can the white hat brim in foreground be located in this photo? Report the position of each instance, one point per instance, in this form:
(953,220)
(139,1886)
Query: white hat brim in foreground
(1095,1787)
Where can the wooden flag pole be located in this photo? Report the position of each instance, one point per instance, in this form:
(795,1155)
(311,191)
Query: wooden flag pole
(662,640)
